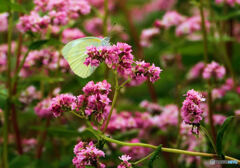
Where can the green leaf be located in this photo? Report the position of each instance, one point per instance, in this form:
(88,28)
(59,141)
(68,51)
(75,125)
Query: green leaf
(7,5)
(20,161)
(62,131)
(17,8)
(126,135)
(227,16)
(155,156)
(37,44)
(220,135)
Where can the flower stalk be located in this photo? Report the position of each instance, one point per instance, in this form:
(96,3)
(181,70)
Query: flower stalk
(113,102)
(205,43)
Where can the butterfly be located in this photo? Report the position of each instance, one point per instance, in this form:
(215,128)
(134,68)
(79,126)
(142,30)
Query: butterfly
(75,54)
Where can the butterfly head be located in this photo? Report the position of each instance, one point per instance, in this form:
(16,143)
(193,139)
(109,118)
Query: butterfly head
(106,41)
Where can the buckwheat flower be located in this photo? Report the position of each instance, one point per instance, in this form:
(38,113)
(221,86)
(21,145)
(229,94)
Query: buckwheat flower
(237,112)
(196,71)
(43,108)
(29,144)
(151,107)
(143,71)
(62,103)
(78,7)
(125,163)
(172,18)
(3,22)
(147,35)
(86,154)
(214,70)
(33,22)
(190,26)
(94,26)
(30,94)
(58,18)
(191,111)
(228,2)
(71,34)
(135,152)
(218,119)
(3,61)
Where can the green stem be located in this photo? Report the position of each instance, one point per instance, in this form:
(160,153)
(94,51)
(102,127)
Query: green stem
(168,150)
(9,81)
(124,83)
(204,130)
(204,31)
(114,101)
(15,77)
(105,18)
(205,44)
(143,159)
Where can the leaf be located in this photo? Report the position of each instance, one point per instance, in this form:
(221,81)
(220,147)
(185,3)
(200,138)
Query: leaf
(228,16)
(7,5)
(37,44)
(20,161)
(220,135)
(155,156)
(126,135)
(62,131)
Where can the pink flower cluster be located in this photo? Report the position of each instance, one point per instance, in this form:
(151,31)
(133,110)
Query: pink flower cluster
(3,22)
(147,35)
(43,108)
(135,152)
(120,57)
(46,58)
(30,94)
(151,107)
(33,22)
(191,111)
(184,26)
(168,117)
(190,26)
(71,34)
(86,154)
(171,18)
(214,70)
(125,163)
(53,13)
(231,3)
(196,71)
(94,101)
(222,90)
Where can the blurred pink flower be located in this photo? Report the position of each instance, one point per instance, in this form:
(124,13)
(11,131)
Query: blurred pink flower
(214,70)
(172,18)
(71,34)
(147,35)
(196,71)
(43,108)
(30,94)
(3,22)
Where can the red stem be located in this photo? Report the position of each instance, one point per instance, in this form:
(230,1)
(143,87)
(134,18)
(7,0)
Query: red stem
(42,140)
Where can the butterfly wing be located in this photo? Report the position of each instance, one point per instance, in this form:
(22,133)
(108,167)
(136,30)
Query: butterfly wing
(75,54)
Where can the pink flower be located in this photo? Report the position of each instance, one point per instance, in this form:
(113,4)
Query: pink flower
(196,71)
(3,22)
(33,22)
(30,94)
(147,35)
(71,34)
(125,163)
(214,70)
(151,107)
(191,111)
(62,103)
(172,18)
(135,152)
(43,108)
(86,154)
(190,26)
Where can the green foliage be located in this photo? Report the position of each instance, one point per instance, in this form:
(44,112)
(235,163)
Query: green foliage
(155,156)
(220,135)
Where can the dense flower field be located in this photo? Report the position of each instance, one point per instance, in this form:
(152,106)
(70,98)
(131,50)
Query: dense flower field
(119,84)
